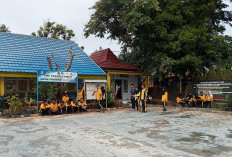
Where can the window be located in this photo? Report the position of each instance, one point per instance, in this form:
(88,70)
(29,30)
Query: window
(32,85)
(22,85)
(125,88)
(10,84)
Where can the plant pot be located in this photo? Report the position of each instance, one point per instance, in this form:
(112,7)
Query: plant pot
(29,111)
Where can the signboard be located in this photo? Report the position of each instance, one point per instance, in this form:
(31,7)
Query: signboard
(90,87)
(220,89)
(57,76)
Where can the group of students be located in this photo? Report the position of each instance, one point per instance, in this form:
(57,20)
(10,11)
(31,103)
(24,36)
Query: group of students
(138,97)
(195,100)
(66,105)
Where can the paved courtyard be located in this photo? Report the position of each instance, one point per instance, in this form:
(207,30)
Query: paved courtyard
(119,133)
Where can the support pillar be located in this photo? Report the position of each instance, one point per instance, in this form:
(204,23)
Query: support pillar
(108,80)
(146,83)
(2,86)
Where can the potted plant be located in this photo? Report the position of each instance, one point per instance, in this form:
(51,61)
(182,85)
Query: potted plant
(14,102)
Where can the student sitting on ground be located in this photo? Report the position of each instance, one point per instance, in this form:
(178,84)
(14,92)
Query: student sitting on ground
(202,99)
(44,108)
(82,105)
(209,99)
(180,101)
(62,107)
(54,108)
(73,105)
(68,107)
(193,101)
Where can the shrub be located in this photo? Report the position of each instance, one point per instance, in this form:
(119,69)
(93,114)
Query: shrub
(229,101)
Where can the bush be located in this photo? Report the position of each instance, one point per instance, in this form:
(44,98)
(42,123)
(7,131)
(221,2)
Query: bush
(109,96)
(47,91)
(1,104)
(229,101)
(13,100)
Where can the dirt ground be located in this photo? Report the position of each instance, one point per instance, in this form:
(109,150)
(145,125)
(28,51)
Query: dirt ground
(119,133)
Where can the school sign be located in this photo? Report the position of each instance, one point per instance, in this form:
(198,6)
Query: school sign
(57,76)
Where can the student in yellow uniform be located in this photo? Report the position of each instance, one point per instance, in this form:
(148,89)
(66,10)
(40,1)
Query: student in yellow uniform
(209,99)
(143,97)
(80,93)
(65,98)
(202,99)
(44,108)
(99,97)
(62,107)
(164,98)
(82,105)
(68,107)
(193,101)
(137,98)
(54,108)
(180,101)
(73,105)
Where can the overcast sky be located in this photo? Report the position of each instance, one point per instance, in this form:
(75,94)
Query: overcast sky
(26,16)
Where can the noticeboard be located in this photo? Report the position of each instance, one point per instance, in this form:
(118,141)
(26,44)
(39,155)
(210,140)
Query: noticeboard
(57,76)
(218,88)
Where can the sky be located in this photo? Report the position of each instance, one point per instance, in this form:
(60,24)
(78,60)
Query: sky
(26,16)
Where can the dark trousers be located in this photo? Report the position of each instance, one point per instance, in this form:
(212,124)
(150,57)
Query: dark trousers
(74,108)
(208,104)
(45,111)
(164,105)
(137,104)
(143,105)
(62,109)
(133,103)
(193,104)
(55,113)
(82,109)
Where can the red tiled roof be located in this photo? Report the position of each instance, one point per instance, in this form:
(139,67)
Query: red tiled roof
(106,59)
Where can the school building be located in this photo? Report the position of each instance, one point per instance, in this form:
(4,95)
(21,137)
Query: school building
(119,75)
(21,56)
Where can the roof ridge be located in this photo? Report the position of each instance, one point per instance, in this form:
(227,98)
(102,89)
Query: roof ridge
(36,36)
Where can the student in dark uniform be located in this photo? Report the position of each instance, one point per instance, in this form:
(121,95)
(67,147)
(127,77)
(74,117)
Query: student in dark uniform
(137,98)
(132,96)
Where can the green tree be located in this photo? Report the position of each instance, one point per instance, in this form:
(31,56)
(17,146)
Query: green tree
(53,30)
(4,28)
(163,36)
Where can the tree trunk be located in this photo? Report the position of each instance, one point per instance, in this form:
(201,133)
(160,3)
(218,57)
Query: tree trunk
(180,87)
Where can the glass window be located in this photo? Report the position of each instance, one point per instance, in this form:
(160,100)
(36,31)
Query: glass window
(10,84)
(125,86)
(22,85)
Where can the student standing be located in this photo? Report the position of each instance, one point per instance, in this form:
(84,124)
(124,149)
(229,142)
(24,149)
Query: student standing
(143,98)
(164,98)
(80,93)
(137,98)
(132,95)
(99,97)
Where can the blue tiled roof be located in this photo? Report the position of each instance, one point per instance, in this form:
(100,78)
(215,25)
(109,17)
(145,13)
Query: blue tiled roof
(22,53)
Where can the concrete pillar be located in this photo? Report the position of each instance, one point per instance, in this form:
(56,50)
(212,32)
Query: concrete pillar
(108,80)
(2,87)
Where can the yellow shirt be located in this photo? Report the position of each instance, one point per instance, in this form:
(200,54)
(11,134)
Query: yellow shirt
(202,97)
(178,100)
(65,99)
(192,99)
(82,104)
(99,94)
(144,94)
(42,106)
(54,107)
(209,99)
(165,97)
(137,96)
(80,94)
(73,104)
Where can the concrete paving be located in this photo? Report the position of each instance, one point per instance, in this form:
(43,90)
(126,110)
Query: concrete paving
(119,133)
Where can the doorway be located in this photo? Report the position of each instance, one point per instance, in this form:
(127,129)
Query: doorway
(118,89)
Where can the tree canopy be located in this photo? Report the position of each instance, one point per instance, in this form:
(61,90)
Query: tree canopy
(53,30)
(4,28)
(162,36)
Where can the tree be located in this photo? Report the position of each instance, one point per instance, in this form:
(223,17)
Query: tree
(163,36)
(53,30)
(3,28)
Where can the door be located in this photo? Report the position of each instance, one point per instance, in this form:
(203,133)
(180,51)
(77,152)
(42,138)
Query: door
(118,89)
